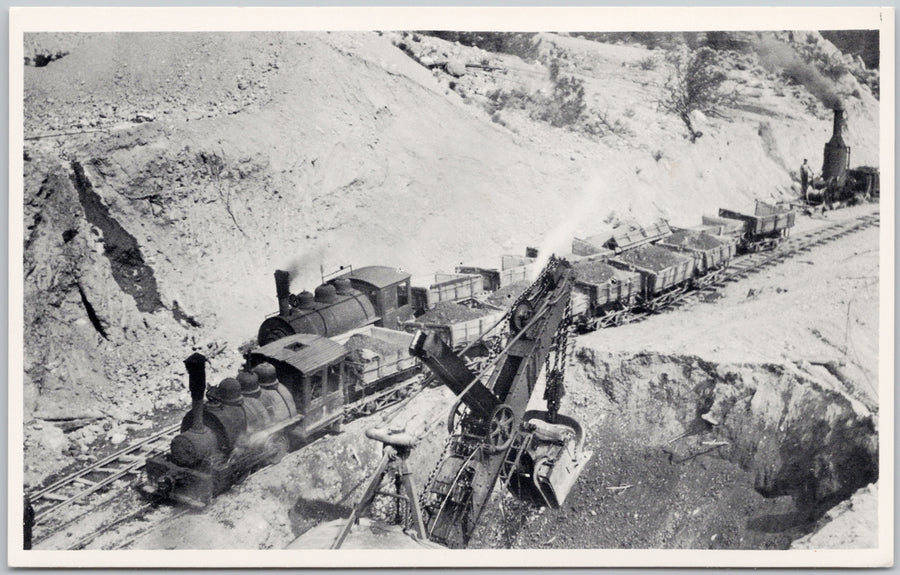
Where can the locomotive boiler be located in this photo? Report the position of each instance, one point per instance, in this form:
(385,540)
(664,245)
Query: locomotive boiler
(372,295)
(286,393)
(838,182)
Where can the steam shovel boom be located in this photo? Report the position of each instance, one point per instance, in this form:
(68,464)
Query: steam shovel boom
(538,454)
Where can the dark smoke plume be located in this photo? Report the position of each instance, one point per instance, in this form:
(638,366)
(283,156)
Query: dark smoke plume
(774,54)
(305,269)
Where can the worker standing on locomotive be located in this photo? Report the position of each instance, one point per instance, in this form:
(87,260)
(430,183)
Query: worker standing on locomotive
(804,179)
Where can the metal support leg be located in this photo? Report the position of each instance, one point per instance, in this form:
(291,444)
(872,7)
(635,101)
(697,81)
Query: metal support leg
(410,488)
(367,498)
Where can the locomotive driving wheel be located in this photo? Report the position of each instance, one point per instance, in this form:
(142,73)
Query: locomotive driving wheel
(501,428)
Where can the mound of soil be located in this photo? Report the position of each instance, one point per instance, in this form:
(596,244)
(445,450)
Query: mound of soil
(449,313)
(506,295)
(693,240)
(597,272)
(379,346)
(653,257)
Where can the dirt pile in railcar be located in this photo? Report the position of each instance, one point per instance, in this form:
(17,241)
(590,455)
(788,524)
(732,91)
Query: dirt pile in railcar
(596,272)
(506,295)
(446,312)
(360,341)
(693,240)
(655,258)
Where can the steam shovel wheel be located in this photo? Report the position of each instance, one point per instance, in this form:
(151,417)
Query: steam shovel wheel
(457,411)
(500,431)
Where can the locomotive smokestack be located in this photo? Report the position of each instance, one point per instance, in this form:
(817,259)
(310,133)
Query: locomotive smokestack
(283,290)
(837,154)
(196,368)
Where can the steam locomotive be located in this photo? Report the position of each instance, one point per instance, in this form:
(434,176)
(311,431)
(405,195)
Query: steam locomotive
(838,182)
(288,392)
(376,295)
(299,382)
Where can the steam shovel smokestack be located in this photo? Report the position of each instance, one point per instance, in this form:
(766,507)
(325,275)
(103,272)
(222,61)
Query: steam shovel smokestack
(283,290)
(837,153)
(196,368)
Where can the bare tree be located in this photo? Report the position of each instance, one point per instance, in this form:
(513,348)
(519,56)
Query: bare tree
(696,83)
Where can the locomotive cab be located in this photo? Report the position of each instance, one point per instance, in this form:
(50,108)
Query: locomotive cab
(313,369)
(389,291)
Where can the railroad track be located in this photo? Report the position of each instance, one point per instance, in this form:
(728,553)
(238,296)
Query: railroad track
(88,487)
(744,266)
(105,477)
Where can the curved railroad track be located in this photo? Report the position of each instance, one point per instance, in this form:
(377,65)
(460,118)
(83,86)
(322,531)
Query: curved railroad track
(105,483)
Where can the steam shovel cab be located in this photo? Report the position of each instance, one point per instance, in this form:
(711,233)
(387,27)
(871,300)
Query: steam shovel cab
(313,369)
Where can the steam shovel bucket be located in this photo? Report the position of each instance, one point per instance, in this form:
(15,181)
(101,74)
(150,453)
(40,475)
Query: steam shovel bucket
(556,450)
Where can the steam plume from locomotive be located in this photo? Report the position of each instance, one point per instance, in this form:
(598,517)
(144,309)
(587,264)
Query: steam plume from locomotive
(775,54)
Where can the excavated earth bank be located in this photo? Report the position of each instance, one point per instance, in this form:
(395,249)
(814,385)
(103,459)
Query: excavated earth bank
(785,450)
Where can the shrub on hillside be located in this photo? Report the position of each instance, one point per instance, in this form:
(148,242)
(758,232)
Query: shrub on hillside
(521,44)
(697,83)
(726,41)
(566,105)
(648,63)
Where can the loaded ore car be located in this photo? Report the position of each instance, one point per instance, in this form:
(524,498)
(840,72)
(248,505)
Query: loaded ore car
(439,287)
(710,253)
(457,325)
(626,238)
(764,230)
(664,273)
(378,360)
(512,269)
(622,238)
(602,294)
(372,295)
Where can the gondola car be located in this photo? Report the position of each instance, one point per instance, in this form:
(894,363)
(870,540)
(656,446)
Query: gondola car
(764,230)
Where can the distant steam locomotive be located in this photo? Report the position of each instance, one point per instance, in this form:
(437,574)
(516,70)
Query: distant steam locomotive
(838,182)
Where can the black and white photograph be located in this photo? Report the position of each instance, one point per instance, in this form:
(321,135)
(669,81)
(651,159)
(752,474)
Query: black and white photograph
(433,287)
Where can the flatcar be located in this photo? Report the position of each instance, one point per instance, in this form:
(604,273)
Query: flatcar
(372,295)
